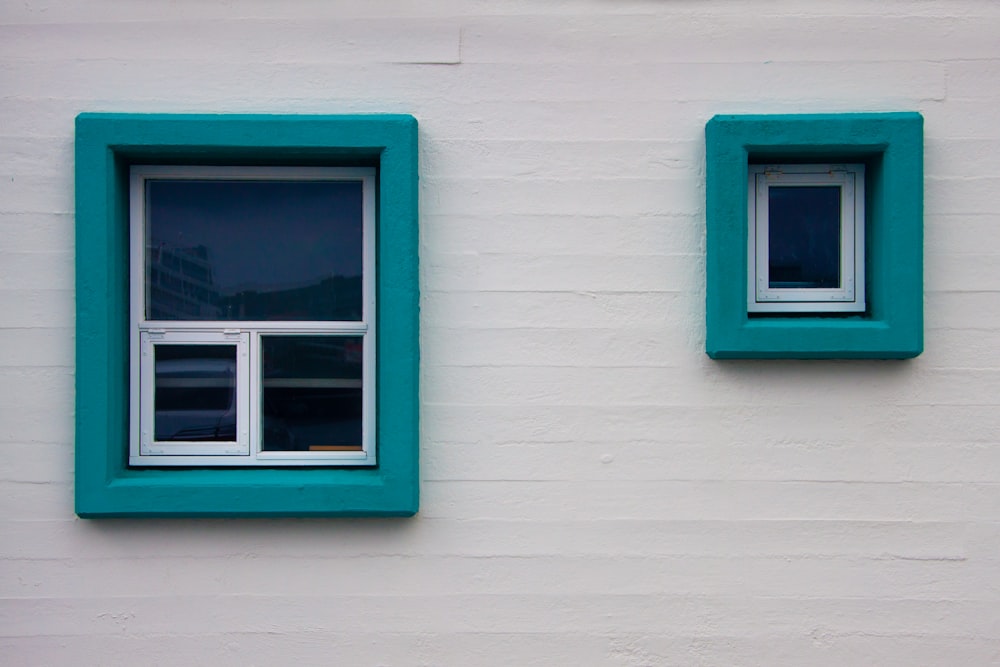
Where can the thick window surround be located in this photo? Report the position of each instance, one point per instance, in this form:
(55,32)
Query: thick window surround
(849,294)
(107,145)
(890,145)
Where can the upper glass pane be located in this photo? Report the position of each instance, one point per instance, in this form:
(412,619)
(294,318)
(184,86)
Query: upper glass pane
(253,250)
(804,237)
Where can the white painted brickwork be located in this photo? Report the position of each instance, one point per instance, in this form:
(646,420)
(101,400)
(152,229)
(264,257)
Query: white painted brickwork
(595,490)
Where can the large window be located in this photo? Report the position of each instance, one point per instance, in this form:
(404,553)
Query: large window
(247,315)
(252,308)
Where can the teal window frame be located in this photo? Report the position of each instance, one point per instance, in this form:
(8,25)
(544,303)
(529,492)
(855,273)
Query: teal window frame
(106,145)
(890,145)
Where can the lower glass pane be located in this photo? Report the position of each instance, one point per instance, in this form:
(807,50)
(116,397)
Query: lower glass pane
(195,393)
(311,393)
(804,237)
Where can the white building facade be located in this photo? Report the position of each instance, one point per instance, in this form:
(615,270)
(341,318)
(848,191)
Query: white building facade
(594,488)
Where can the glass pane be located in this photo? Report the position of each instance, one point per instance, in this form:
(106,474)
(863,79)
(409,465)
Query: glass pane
(195,393)
(311,393)
(804,237)
(253,250)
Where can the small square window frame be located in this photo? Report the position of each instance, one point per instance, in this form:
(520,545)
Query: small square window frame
(890,145)
(850,295)
(107,144)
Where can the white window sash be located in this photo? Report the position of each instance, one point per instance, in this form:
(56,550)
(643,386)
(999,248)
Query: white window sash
(150,453)
(849,296)
(148,445)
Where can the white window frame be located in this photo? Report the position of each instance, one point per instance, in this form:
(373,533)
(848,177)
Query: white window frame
(144,333)
(148,445)
(850,296)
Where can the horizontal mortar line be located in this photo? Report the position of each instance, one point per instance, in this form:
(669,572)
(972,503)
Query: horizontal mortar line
(538,554)
(66,252)
(68,329)
(712,407)
(689,175)
(990,369)
(903,522)
(625,477)
(629,446)
(652,329)
(18,213)
(613,640)
(626,12)
(530,551)
(497,366)
(568,290)
(581,141)
(32,482)
(325,633)
(532,99)
(609,218)
(347,59)
(67,443)
(645,482)
(423,63)
(445,38)
(8,211)
(993,330)
(710,482)
(811,446)
(521,595)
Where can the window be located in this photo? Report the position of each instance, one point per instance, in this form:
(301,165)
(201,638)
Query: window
(252,303)
(806,238)
(814,236)
(247,330)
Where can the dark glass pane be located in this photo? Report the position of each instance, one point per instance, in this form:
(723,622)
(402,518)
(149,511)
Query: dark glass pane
(253,250)
(804,237)
(311,393)
(195,393)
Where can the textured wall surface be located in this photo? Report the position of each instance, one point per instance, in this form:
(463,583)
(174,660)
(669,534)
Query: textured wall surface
(596,491)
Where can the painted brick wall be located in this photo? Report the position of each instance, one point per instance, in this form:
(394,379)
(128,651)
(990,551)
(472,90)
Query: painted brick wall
(596,491)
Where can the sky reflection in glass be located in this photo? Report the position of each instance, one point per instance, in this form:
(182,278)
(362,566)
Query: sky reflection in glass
(254,250)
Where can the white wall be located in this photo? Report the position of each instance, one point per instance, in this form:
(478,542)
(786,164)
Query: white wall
(596,491)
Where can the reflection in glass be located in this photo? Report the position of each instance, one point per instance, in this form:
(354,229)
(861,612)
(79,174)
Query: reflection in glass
(253,250)
(195,393)
(311,398)
(804,237)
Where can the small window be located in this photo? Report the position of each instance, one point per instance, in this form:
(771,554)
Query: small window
(253,302)
(806,235)
(817,258)
(192,393)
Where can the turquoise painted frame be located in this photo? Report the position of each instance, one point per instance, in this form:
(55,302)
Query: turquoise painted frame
(106,145)
(891,147)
